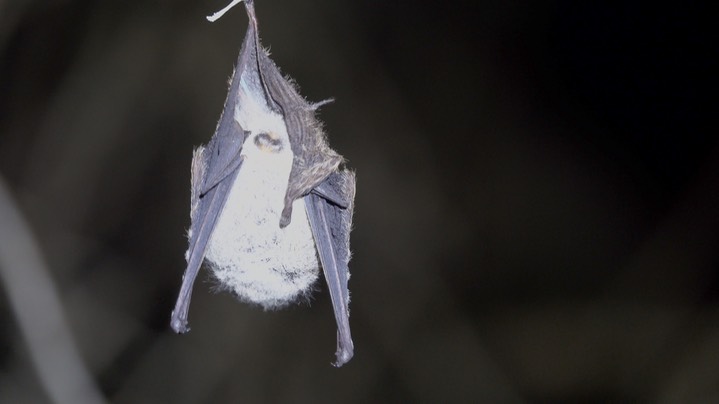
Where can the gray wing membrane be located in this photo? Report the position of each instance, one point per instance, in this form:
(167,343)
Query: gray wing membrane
(331,223)
(224,157)
(210,189)
(209,207)
(331,193)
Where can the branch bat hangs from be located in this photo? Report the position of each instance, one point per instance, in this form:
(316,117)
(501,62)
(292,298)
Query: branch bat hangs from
(269,203)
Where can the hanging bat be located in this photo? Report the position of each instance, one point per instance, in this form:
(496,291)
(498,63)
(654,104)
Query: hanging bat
(269,202)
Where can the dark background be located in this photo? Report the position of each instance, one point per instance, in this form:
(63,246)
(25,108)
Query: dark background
(536,216)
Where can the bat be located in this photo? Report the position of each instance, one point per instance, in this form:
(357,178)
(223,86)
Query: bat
(270,203)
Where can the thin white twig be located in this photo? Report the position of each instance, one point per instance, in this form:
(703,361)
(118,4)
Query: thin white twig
(217,15)
(37,308)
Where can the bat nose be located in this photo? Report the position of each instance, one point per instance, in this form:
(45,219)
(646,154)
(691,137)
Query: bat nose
(268,142)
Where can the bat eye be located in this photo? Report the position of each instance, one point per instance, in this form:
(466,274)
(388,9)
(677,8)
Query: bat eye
(268,142)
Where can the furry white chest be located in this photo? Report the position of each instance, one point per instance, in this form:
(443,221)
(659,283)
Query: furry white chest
(248,252)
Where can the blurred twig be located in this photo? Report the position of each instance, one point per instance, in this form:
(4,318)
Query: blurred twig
(38,310)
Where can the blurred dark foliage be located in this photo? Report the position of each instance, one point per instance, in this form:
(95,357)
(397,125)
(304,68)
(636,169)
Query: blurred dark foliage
(537,208)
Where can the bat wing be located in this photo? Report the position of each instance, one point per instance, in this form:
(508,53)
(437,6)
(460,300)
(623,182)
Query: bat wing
(207,204)
(329,209)
(214,169)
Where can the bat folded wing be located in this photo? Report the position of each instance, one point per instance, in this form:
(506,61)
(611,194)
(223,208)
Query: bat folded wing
(206,206)
(329,209)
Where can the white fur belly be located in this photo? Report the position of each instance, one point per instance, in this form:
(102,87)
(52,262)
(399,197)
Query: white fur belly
(249,253)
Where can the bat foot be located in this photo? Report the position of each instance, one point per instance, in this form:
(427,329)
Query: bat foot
(179,325)
(343,357)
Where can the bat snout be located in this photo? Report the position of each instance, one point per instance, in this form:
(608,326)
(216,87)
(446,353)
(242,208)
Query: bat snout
(268,142)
